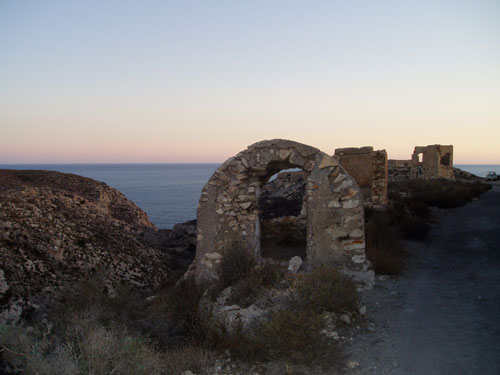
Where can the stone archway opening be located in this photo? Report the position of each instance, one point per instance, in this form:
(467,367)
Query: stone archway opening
(228,212)
(282,215)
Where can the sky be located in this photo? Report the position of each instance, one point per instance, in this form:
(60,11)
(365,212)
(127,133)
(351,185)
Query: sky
(198,81)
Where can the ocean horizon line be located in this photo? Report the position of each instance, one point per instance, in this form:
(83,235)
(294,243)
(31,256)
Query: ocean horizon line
(120,163)
(176,163)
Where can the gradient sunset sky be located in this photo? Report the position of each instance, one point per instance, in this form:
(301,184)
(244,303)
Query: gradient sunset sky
(198,81)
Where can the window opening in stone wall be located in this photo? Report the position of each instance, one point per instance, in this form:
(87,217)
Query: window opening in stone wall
(445,160)
(420,157)
(282,215)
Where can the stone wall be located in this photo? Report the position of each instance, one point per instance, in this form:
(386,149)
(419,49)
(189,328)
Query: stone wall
(228,214)
(369,169)
(436,162)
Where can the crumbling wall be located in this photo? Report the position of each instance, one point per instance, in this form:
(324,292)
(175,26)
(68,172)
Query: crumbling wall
(369,169)
(427,162)
(228,213)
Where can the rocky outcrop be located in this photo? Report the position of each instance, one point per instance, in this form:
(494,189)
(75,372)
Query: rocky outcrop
(283,196)
(464,175)
(58,228)
(179,242)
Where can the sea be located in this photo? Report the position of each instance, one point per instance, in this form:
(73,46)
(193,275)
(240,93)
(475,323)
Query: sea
(168,193)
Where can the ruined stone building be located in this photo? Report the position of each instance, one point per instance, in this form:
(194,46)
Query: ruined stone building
(228,211)
(427,162)
(369,169)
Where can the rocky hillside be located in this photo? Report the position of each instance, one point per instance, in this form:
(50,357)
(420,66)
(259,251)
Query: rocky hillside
(57,228)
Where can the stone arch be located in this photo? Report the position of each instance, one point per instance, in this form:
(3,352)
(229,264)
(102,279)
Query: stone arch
(228,207)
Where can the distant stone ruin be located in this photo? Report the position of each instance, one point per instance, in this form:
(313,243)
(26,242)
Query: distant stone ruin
(369,169)
(427,162)
(228,214)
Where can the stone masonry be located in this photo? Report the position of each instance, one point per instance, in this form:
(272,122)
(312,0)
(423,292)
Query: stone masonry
(369,169)
(228,214)
(436,162)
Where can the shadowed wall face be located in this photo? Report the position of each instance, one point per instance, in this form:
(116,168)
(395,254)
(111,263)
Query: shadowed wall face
(228,214)
(369,169)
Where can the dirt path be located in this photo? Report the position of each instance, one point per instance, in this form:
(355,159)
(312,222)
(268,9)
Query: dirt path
(443,315)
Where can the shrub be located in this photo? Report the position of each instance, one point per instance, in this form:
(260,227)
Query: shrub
(383,247)
(326,289)
(99,349)
(440,193)
(246,290)
(88,347)
(92,332)
(236,264)
(413,228)
(292,331)
(178,307)
(188,357)
(170,333)
(294,335)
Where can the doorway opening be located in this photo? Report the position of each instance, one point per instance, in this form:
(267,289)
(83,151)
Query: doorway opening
(282,215)
(446,160)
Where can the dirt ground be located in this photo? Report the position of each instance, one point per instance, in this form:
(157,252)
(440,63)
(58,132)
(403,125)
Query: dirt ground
(442,316)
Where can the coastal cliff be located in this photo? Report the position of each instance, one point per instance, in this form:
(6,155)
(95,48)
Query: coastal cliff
(58,228)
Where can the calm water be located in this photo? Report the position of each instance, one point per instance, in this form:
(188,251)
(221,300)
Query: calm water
(479,169)
(168,193)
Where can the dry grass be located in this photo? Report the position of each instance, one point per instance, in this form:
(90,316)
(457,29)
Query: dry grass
(292,331)
(88,347)
(92,333)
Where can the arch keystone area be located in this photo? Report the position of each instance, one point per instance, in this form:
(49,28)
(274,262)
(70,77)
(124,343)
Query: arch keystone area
(228,214)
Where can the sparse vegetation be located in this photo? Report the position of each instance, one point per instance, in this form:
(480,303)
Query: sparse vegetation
(408,217)
(291,331)
(246,290)
(326,289)
(440,193)
(294,335)
(87,346)
(91,332)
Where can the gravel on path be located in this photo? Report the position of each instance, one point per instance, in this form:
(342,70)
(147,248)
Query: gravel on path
(442,316)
